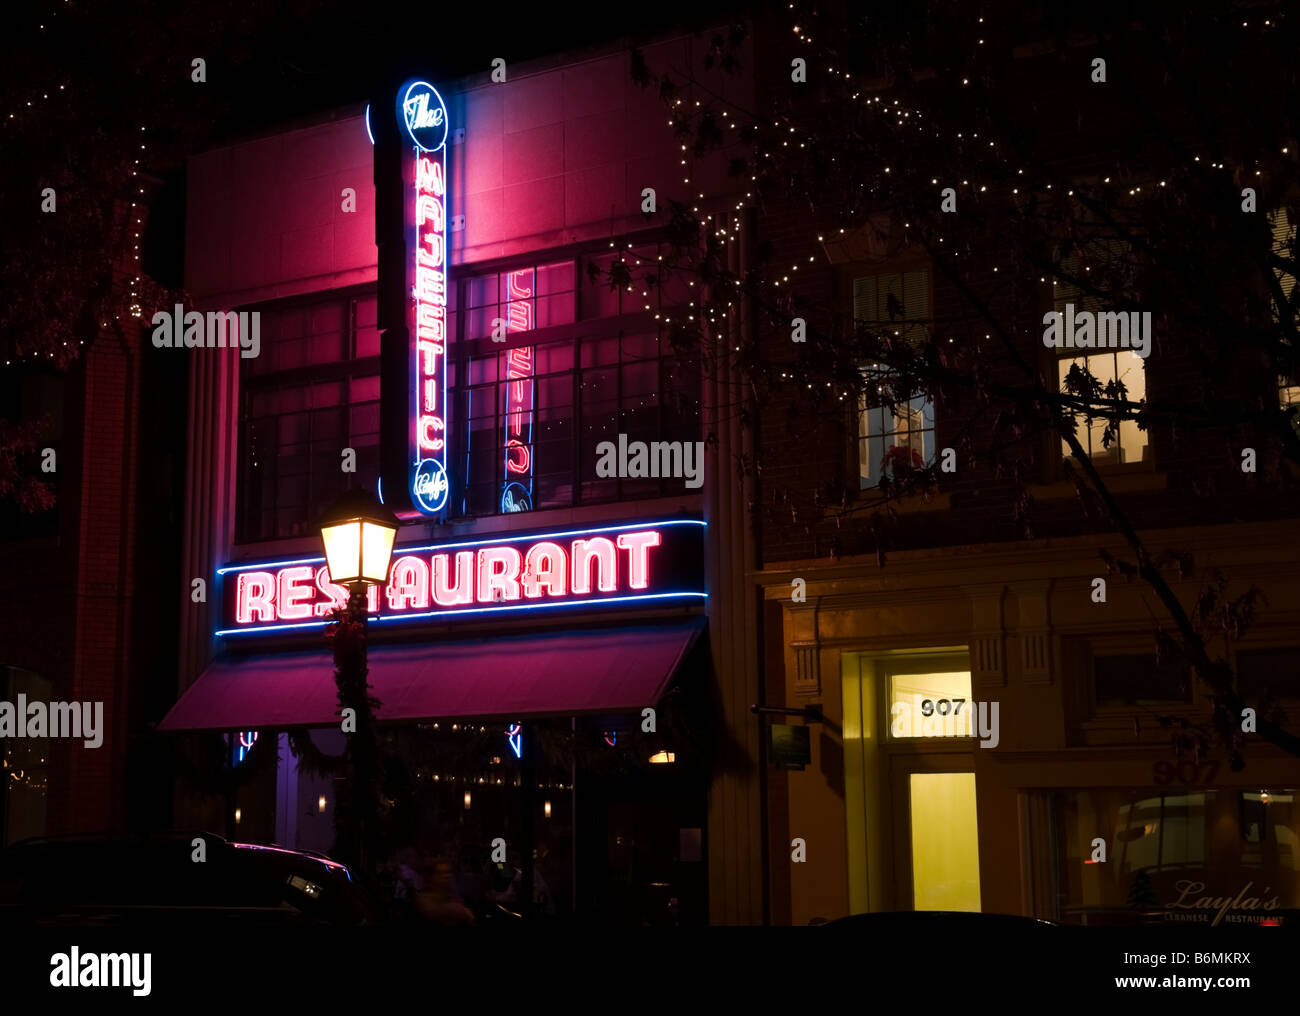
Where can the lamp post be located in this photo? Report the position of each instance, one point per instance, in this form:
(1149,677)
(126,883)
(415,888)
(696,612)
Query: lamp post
(358,533)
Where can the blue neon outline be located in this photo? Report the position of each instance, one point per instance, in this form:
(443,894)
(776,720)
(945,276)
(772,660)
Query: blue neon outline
(378,618)
(490,540)
(369,133)
(446,117)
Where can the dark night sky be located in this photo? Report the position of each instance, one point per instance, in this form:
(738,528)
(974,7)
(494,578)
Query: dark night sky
(326,56)
(271,64)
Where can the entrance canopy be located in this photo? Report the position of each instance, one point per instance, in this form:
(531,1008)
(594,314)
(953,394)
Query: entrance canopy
(605,670)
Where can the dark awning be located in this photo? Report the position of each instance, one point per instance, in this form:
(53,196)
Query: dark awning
(605,670)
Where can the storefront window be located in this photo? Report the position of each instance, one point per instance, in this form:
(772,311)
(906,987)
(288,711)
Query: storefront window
(1178,856)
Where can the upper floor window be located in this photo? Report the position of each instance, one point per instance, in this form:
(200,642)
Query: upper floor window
(895,428)
(1284,233)
(557,362)
(549,363)
(1135,679)
(311,394)
(1116,374)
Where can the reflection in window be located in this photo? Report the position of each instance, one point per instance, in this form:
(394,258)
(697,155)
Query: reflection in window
(896,438)
(1177,855)
(520,299)
(535,420)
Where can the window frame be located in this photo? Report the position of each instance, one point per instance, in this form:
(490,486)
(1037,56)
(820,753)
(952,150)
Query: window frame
(343,371)
(582,330)
(847,277)
(1109,460)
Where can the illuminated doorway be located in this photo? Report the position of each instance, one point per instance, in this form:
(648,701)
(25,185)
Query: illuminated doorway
(909,737)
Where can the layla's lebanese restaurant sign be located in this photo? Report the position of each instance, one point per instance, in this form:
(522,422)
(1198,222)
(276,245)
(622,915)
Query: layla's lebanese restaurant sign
(642,562)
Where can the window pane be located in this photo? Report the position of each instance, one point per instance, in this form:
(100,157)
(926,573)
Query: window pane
(478,322)
(1129,369)
(640,347)
(931,705)
(554,310)
(555,278)
(598,352)
(293,432)
(482,290)
(1275,671)
(598,300)
(483,369)
(553,357)
(1136,679)
(1180,856)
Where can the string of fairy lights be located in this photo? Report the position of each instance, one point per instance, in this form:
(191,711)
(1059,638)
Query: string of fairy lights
(895,114)
(25,776)
(135,211)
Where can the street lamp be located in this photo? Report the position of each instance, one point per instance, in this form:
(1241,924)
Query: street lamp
(358,533)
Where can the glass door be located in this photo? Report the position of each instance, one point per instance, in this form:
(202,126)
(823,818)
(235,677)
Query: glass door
(936,849)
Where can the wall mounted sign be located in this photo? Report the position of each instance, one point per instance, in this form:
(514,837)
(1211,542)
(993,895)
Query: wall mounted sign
(789,747)
(411,214)
(424,115)
(619,564)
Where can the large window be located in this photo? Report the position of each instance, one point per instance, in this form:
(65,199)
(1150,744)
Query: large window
(1118,374)
(895,428)
(1178,854)
(549,364)
(1284,234)
(313,392)
(1137,679)
(558,371)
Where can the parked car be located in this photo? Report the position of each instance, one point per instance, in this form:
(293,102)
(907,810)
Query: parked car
(172,878)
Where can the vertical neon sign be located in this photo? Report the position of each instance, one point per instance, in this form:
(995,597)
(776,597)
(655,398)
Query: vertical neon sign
(517,486)
(423,113)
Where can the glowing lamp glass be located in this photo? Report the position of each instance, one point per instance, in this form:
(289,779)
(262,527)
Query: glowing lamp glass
(358,546)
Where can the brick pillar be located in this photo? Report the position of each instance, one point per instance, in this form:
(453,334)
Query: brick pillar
(91,791)
(735,810)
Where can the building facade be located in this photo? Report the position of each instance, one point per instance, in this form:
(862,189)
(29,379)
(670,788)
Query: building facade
(998,733)
(552,600)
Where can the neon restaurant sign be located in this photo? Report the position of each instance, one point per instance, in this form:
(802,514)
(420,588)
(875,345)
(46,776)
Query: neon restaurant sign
(634,563)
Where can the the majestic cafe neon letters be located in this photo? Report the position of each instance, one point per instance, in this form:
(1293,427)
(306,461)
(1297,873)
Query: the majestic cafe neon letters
(618,563)
(424,114)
